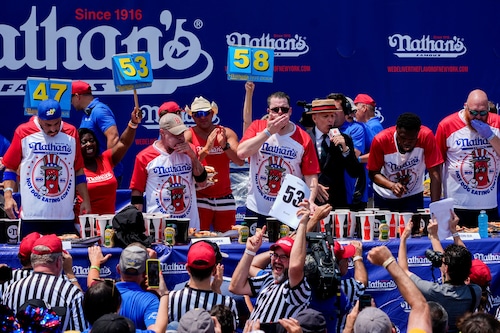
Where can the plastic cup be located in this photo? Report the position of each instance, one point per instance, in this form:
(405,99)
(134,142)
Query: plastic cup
(87,225)
(340,223)
(273,229)
(101,222)
(392,221)
(154,225)
(367,227)
(351,223)
(404,218)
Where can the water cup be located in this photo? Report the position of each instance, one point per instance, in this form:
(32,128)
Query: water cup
(351,223)
(251,222)
(340,223)
(404,218)
(154,225)
(425,217)
(101,222)
(367,227)
(87,225)
(392,221)
(273,229)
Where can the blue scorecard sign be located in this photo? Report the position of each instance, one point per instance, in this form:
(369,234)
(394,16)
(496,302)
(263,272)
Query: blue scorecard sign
(132,71)
(40,89)
(250,64)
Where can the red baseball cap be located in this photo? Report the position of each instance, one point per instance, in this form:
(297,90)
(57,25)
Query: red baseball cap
(26,245)
(343,251)
(365,99)
(479,273)
(170,107)
(80,88)
(51,241)
(201,255)
(284,243)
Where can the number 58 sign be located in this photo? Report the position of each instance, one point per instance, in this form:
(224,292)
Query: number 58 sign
(292,192)
(250,64)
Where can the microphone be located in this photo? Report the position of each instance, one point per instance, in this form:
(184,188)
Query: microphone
(335,132)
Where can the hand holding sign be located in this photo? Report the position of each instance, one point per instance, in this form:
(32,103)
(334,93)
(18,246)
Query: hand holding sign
(292,192)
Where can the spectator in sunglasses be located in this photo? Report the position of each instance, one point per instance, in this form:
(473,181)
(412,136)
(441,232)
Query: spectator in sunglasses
(469,142)
(216,146)
(276,147)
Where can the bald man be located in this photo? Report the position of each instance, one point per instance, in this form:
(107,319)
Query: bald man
(470,145)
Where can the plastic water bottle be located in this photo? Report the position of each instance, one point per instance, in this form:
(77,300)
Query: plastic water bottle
(483,224)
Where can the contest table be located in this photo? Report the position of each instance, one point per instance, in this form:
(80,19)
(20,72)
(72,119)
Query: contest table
(380,285)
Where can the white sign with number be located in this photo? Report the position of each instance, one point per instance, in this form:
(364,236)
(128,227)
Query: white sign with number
(292,192)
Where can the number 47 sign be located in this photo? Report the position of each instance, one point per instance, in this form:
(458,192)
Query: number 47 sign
(292,192)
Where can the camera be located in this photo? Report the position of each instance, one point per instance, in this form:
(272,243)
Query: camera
(322,270)
(435,257)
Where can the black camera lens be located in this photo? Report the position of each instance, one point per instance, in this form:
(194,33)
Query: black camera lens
(435,257)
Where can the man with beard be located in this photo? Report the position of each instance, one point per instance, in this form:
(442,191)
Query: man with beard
(398,158)
(468,140)
(284,292)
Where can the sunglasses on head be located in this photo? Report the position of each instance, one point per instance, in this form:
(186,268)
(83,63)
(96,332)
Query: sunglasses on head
(109,282)
(283,109)
(199,114)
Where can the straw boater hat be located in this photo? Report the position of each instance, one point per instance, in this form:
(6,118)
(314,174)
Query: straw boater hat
(201,104)
(323,105)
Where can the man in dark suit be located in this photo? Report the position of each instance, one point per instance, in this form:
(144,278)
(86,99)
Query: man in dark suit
(335,153)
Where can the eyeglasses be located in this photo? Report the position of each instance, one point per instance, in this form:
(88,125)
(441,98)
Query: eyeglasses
(109,282)
(199,114)
(283,109)
(275,256)
(481,113)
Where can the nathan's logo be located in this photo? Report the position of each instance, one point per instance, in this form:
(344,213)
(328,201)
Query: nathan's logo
(488,258)
(380,285)
(284,45)
(427,46)
(68,47)
(415,261)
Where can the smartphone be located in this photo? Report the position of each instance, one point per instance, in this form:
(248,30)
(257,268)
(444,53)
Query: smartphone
(270,327)
(153,272)
(365,301)
(5,273)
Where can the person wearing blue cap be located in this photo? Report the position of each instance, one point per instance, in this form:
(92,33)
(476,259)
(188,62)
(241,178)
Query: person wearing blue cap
(46,152)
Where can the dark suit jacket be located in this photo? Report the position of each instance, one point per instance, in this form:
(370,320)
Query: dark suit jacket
(332,170)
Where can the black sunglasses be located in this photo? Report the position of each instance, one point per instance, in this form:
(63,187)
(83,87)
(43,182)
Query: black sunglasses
(283,109)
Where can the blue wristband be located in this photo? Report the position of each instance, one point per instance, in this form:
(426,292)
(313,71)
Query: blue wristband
(81,179)
(9,175)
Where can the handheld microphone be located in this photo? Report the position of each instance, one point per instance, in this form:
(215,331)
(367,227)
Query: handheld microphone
(335,132)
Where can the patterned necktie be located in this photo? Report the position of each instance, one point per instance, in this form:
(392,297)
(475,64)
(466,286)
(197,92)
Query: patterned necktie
(324,149)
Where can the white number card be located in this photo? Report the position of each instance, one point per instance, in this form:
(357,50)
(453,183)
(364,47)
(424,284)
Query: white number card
(292,192)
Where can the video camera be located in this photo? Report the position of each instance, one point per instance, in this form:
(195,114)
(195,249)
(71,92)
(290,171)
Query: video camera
(321,269)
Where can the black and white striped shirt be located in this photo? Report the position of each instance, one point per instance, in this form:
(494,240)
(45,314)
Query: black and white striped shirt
(276,301)
(183,300)
(17,274)
(55,291)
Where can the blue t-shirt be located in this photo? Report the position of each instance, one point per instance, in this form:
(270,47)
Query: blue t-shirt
(138,305)
(100,119)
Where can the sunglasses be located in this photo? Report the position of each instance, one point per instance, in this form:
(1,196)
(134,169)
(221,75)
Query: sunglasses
(481,113)
(109,282)
(199,114)
(283,109)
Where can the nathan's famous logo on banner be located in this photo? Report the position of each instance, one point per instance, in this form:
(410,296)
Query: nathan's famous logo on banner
(488,258)
(284,45)
(427,47)
(169,44)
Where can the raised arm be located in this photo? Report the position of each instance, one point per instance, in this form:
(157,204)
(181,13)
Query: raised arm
(298,253)
(402,253)
(239,281)
(419,317)
(247,105)
(453,222)
(360,273)
(119,150)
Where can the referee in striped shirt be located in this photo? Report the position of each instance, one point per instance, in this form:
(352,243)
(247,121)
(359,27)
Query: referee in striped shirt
(198,293)
(284,292)
(47,283)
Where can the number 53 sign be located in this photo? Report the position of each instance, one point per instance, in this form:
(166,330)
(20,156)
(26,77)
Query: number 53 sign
(132,71)
(293,190)
(250,64)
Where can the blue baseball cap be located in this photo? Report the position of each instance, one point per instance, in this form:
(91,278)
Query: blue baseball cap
(49,110)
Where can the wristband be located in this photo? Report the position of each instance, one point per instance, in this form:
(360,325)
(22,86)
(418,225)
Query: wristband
(388,262)
(137,200)
(491,136)
(356,258)
(165,294)
(9,175)
(73,280)
(250,253)
(359,159)
(81,179)
(455,234)
(266,131)
(202,177)
(132,125)
(8,189)
(96,268)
